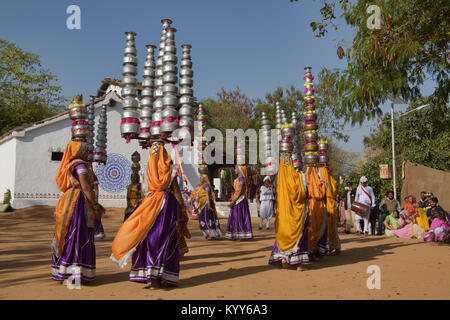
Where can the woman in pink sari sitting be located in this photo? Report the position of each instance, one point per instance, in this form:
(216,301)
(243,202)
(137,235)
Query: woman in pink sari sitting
(409,229)
(439,230)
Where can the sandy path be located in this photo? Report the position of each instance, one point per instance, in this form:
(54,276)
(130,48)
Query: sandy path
(410,269)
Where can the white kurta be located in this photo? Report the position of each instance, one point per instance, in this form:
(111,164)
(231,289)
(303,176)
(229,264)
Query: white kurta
(266,198)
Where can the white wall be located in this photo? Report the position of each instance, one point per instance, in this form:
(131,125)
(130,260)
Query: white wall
(34,180)
(7,167)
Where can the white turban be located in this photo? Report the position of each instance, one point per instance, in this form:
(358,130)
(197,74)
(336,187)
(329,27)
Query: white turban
(363,179)
(267,178)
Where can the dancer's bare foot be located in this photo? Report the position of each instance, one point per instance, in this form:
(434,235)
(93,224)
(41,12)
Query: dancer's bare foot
(300,269)
(336,252)
(154,285)
(284,264)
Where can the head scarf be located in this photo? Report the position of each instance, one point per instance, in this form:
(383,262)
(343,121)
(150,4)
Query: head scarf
(243,172)
(267,178)
(71,152)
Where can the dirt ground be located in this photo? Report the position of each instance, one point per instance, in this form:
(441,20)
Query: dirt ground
(223,269)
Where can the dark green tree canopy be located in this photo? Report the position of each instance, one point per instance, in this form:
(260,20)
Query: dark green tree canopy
(27,91)
(410,45)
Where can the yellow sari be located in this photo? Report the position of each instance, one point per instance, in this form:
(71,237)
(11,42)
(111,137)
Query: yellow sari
(291,207)
(422,219)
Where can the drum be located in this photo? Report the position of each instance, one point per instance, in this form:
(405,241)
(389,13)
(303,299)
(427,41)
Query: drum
(360,208)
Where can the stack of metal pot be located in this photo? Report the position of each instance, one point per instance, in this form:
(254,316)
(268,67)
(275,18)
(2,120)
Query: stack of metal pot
(283,117)
(278,122)
(91,122)
(323,152)
(310,126)
(286,145)
(100,144)
(296,156)
(201,140)
(158,95)
(187,101)
(148,86)
(130,125)
(78,113)
(170,118)
(270,165)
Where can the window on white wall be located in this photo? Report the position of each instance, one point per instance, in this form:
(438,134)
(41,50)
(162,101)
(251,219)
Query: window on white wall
(57,156)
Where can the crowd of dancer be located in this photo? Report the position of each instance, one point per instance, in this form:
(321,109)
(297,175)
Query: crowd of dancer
(154,231)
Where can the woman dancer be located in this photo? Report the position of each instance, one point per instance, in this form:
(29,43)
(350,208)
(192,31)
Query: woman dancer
(266,198)
(317,212)
(150,235)
(239,225)
(99,233)
(204,205)
(291,244)
(73,243)
(134,195)
(333,246)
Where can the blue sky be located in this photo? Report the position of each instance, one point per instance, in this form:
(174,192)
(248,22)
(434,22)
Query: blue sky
(257,45)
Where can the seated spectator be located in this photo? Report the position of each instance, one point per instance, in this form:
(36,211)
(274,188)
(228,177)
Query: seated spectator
(411,205)
(434,209)
(423,202)
(439,230)
(408,227)
(387,206)
(391,223)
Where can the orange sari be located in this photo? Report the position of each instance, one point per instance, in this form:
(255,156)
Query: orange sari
(135,228)
(317,207)
(71,189)
(332,210)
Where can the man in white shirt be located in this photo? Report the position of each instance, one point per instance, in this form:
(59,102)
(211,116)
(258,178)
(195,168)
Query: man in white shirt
(364,195)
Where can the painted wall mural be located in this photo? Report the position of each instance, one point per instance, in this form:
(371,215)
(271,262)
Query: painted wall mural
(114,176)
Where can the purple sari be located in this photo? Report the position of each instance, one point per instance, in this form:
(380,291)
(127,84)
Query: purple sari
(77,259)
(207,219)
(298,255)
(156,256)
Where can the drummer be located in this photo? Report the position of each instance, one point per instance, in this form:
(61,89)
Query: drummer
(364,195)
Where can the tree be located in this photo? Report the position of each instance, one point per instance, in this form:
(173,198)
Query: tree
(330,122)
(27,91)
(410,45)
(421,137)
(232,110)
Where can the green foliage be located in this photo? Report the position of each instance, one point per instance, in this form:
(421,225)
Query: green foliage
(411,44)
(7,197)
(421,137)
(232,110)
(27,92)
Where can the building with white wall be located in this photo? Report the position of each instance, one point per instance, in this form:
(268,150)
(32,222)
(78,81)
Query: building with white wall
(30,156)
